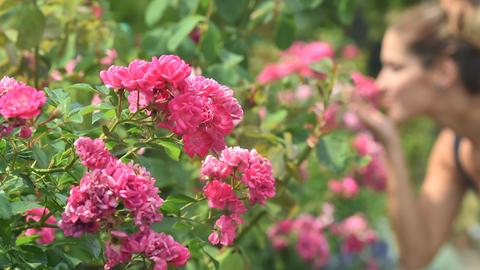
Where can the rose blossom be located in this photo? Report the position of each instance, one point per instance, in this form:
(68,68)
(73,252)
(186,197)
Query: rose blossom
(47,235)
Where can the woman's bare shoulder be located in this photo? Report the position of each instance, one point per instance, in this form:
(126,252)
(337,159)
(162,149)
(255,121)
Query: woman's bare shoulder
(443,155)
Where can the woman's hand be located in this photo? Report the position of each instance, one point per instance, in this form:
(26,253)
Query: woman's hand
(381,126)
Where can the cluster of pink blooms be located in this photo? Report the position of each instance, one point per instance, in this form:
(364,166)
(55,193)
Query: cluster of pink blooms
(328,116)
(352,122)
(373,174)
(297,60)
(308,232)
(350,51)
(18,104)
(345,188)
(300,94)
(160,248)
(108,184)
(355,233)
(240,166)
(366,88)
(200,110)
(46,234)
(109,58)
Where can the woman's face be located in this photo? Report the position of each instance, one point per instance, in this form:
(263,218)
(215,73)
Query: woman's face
(409,89)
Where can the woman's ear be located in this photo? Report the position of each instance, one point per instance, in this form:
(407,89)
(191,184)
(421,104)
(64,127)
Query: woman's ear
(446,73)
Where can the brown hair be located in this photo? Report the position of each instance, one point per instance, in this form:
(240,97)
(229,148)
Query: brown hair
(430,35)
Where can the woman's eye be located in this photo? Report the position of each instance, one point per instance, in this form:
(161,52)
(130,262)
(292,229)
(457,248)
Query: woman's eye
(396,67)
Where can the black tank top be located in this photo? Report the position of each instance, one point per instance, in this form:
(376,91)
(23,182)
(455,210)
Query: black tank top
(461,172)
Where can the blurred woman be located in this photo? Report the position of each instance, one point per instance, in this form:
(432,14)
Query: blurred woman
(431,67)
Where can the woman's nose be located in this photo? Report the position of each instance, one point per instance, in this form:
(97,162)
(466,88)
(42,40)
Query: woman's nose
(380,81)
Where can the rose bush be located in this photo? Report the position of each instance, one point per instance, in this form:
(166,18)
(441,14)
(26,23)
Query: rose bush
(169,134)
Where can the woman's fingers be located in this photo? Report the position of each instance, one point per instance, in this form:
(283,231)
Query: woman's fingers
(379,124)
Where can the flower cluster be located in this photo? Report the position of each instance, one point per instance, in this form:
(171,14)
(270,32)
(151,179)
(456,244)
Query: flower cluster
(297,60)
(350,51)
(327,117)
(345,188)
(93,153)
(160,248)
(110,183)
(355,232)
(289,97)
(372,174)
(256,177)
(46,234)
(199,109)
(18,104)
(309,234)
(366,89)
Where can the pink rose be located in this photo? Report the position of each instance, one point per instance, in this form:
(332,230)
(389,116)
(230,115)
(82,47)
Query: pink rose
(366,88)
(225,230)
(22,102)
(47,235)
(93,153)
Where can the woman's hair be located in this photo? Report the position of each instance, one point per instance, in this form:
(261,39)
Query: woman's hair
(431,34)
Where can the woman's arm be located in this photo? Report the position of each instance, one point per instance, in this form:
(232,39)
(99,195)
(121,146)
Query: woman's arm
(421,223)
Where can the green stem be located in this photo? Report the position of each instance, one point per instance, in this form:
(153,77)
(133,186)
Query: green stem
(254,222)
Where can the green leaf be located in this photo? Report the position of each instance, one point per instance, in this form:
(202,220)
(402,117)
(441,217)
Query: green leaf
(262,14)
(173,203)
(23,240)
(284,31)
(81,87)
(223,74)
(57,95)
(210,43)
(40,156)
(254,133)
(231,10)
(6,238)
(93,245)
(333,151)
(75,118)
(231,261)
(33,255)
(87,110)
(182,226)
(4,261)
(216,264)
(272,121)
(22,206)
(155,10)
(311,4)
(172,149)
(102,89)
(31,26)
(195,247)
(323,66)
(182,30)
(346,11)
(5,207)
(55,257)
(230,58)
